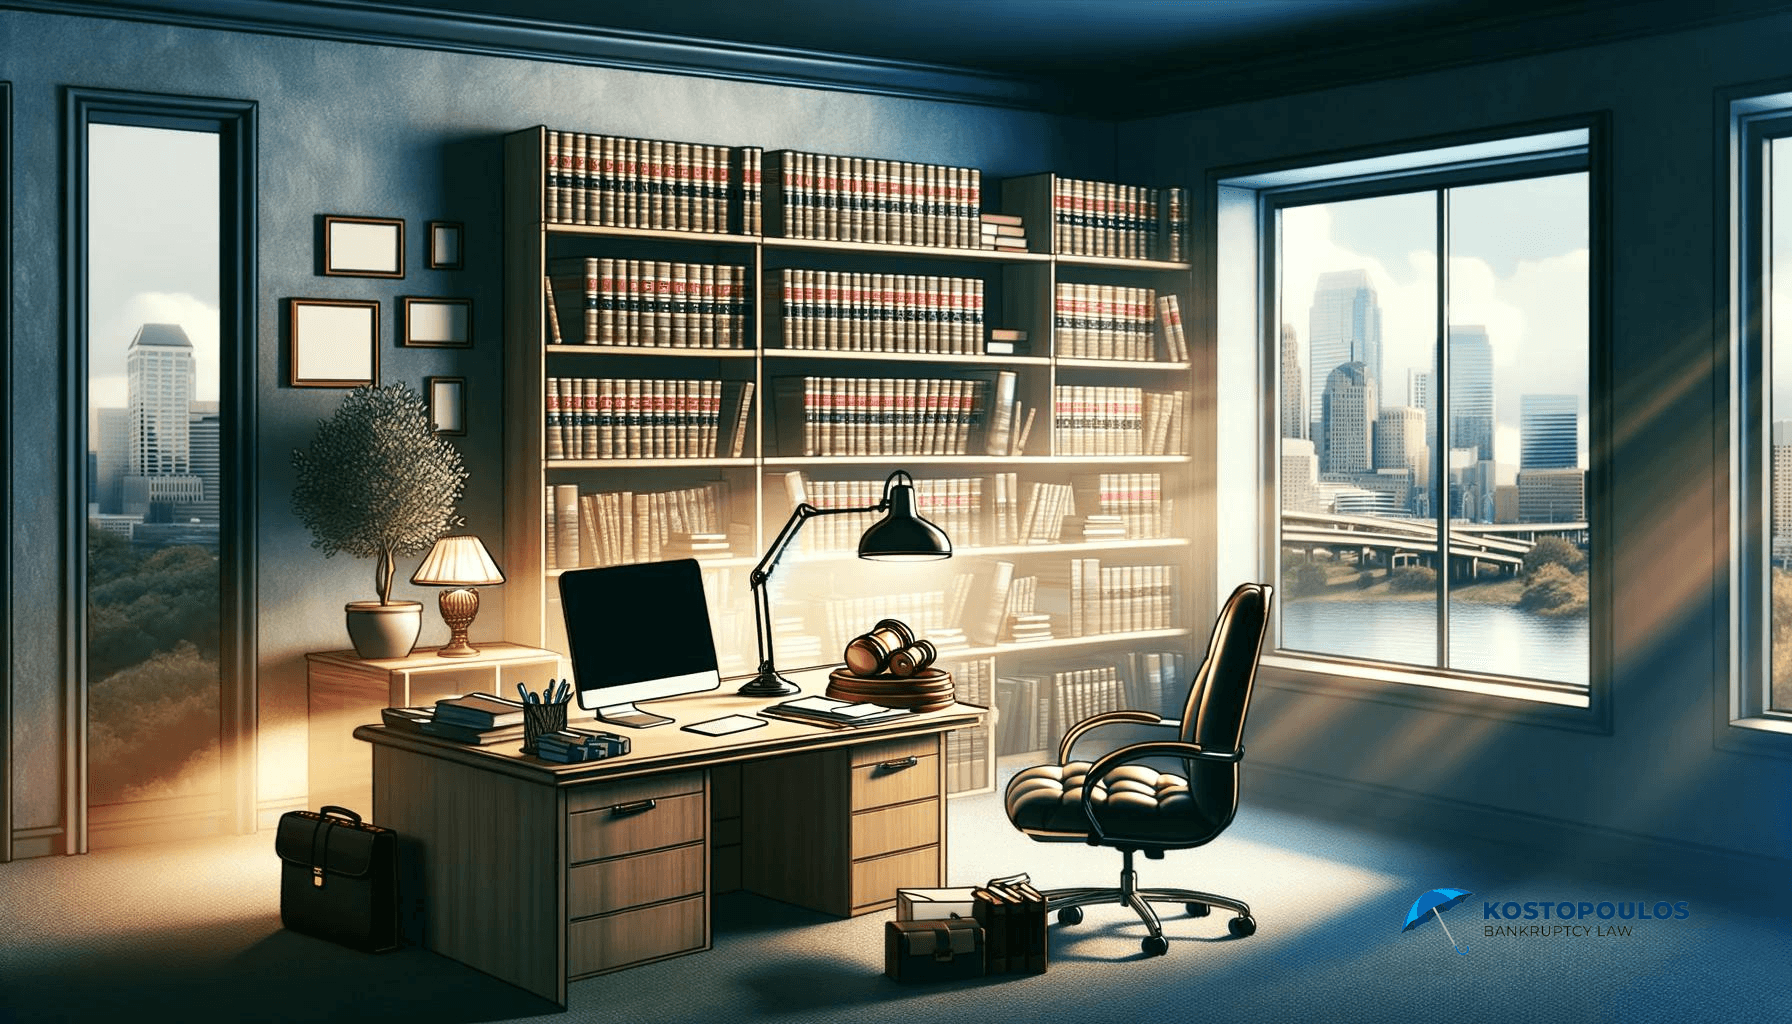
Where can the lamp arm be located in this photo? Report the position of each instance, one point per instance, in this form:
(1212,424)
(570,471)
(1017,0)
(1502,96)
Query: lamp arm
(762,573)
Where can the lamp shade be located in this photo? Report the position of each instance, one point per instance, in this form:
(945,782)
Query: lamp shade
(902,535)
(459,561)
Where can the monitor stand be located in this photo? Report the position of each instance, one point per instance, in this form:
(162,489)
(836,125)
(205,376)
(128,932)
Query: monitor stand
(631,717)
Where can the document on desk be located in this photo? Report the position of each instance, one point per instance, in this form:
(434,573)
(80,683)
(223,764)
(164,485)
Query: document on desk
(827,711)
(724,726)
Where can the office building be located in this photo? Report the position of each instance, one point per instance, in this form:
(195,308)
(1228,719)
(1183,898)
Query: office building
(112,444)
(1294,403)
(1343,326)
(1348,422)
(1471,390)
(1552,495)
(1781,490)
(1400,442)
(1548,432)
(1300,476)
(159,375)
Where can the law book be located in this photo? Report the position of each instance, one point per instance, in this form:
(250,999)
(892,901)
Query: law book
(407,719)
(478,711)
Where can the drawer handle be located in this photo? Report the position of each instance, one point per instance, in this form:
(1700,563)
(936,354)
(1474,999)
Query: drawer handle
(639,806)
(900,763)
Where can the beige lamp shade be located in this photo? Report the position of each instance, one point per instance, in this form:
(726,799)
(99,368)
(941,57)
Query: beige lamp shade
(460,561)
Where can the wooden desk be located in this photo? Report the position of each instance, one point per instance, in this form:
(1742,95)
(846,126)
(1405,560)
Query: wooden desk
(346,690)
(539,873)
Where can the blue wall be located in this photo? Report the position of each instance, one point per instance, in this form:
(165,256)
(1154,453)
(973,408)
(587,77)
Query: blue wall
(381,131)
(1670,768)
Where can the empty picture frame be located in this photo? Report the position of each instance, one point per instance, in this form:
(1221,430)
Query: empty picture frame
(447,404)
(363,246)
(333,343)
(444,245)
(437,323)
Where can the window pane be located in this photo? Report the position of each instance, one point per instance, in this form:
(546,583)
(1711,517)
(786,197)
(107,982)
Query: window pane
(153,469)
(1779,362)
(1518,438)
(1358,286)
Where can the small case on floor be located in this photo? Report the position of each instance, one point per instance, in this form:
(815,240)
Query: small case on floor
(339,878)
(938,950)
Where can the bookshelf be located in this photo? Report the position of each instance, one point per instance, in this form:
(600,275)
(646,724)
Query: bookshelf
(1070,552)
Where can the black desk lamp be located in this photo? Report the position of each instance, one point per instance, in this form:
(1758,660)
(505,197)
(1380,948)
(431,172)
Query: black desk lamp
(901,535)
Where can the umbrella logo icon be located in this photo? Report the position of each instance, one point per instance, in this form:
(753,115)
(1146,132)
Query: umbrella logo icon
(1429,905)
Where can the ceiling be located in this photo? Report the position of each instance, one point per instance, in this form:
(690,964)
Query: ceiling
(1109,58)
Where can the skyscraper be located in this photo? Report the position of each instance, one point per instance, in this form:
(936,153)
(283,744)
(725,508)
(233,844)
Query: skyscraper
(1421,395)
(1782,483)
(1343,326)
(1294,404)
(1471,390)
(159,375)
(112,443)
(1548,431)
(1349,421)
(1300,476)
(1400,443)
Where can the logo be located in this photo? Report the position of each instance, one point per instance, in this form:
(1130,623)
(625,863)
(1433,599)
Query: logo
(1431,906)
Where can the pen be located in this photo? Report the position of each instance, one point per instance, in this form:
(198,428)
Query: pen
(523,692)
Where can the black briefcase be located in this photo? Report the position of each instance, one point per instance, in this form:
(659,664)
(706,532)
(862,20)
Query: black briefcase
(947,949)
(339,878)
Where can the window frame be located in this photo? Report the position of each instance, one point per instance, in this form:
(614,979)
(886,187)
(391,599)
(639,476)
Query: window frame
(1755,117)
(1246,201)
(236,125)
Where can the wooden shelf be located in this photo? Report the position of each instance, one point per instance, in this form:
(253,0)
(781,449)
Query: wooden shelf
(1119,364)
(650,350)
(907,357)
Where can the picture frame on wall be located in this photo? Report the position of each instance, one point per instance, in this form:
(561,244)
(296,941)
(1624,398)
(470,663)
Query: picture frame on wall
(445,251)
(363,246)
(436,323)
(447,404)
(333,343)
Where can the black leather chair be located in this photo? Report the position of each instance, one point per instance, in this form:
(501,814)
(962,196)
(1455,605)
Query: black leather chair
(1118,802)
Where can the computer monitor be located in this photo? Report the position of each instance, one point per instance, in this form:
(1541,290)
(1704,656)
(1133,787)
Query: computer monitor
(637,633)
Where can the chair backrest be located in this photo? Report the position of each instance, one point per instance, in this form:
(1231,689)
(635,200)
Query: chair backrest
(1220,693)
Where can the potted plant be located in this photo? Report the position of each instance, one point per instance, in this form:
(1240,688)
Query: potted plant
(378,482)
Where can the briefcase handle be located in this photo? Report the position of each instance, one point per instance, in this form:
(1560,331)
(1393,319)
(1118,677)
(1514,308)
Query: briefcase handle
(341,812)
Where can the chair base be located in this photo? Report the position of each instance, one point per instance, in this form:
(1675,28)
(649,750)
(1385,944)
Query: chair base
(1130,895)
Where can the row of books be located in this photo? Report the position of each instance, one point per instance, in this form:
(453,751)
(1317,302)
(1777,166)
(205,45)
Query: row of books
(634,418)
(1136,499)
(1118,420)
(855,312)
(861,199)
(1106,321)
(620,527)
(825,416)
(953,504)
(1087,598)
(663,303)
(619,181)
(928,612)
(1104,218)
(1037,709)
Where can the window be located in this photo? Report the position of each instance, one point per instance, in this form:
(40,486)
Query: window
(1761,418)
(1418,332)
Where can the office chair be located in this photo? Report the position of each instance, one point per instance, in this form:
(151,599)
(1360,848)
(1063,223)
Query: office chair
(1131,807)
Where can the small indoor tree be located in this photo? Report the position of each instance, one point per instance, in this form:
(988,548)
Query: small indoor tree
(377,481)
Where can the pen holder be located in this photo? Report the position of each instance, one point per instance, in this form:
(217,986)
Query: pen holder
(540,719)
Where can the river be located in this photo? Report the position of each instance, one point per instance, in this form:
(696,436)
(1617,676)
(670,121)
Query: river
(1489,638)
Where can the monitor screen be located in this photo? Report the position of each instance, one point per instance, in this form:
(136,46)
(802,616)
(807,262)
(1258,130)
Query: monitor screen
(637,632)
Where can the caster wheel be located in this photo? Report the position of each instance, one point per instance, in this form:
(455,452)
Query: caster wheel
(1197,909)
(1242,925)
(1070,915)
(1155,945)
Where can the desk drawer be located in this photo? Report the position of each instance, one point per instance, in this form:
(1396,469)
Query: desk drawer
(618,940)
(889,750)
(670,821)
(889,829)
(624,882)
(875,881)
(895,780)
(605,795)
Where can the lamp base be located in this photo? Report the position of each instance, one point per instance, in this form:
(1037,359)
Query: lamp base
(458,609)
(768,683)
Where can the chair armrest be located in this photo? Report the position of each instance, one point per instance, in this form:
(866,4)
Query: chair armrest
(1135,751)
(1076,731)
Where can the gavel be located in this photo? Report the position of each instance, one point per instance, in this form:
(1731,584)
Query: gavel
(890,646)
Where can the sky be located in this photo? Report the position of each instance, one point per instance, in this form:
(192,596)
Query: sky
(1519,267)
(152,250)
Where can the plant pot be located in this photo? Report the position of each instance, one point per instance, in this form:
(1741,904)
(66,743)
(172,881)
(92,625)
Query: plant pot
(384,630)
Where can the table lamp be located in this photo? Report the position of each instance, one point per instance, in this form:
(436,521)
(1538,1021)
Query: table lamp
(901,535)
(460,563)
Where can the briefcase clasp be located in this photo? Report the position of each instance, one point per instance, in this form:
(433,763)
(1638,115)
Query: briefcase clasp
(317,876)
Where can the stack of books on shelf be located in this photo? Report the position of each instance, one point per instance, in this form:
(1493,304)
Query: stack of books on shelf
(845,311)
(859,199)
(1089,599)
(1007,341)
(649,303)
(632,418)
(1169,329)
(1029,627)
(1099,526)
(953,504)
(1136,499)
(1104,321)
(1118,420)
(478,718)
(621,527)
(825,416)
(618,181)
(1002,232)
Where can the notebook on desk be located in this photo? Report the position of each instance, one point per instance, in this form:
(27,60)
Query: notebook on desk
(828,711)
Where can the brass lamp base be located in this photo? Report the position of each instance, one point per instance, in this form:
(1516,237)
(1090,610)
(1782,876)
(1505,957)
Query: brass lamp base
(459,607)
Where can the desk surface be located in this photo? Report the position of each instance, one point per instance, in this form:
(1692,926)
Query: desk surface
(668,747)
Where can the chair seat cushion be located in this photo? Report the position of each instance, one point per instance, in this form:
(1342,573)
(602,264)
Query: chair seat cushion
(1131,800)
